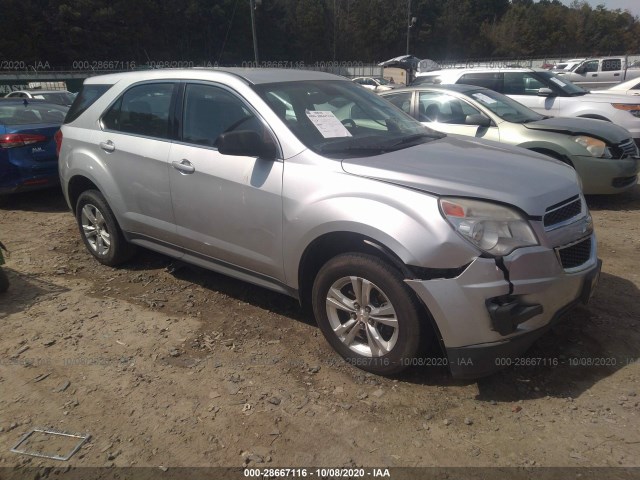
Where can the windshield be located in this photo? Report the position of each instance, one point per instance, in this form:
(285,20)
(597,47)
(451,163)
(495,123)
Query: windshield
(555,82)
(504,107)
(339,117)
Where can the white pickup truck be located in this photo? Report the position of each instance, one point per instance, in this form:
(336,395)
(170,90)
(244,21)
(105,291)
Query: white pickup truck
(596,73)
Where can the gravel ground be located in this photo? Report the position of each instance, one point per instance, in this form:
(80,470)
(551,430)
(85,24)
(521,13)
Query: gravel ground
(174,367)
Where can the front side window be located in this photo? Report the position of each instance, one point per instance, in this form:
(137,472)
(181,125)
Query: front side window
(209,111)
(142,110)
(591,66)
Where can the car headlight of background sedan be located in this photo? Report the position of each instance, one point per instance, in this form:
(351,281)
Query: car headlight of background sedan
(633,109)
(595,147)
(495,229)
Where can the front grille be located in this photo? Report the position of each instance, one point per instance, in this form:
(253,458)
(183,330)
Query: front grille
(562,211)
(576,254)
(625,149)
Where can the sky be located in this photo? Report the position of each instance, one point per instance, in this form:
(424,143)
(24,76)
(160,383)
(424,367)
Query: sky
(632,5)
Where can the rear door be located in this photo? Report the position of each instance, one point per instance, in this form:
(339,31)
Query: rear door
(610,73)
(134,145)
(228,208)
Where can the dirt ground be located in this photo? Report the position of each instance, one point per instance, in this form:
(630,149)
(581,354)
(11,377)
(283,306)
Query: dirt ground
(190,368)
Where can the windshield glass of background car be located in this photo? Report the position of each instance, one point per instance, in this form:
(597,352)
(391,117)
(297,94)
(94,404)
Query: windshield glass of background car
(337,116)
(504,107)
(31,114)
(555,82)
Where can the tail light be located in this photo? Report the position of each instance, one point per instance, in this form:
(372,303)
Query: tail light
(11,140)
(58,138)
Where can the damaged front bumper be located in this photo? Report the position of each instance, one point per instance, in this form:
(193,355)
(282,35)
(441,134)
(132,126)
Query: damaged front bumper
(497,308)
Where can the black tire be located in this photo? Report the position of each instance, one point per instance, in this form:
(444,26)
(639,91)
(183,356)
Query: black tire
(4,281)
(92,202)
(387,287)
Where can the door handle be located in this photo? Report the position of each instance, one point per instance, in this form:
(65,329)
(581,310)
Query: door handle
(183,166)
(616,74)
(594,75)
(108,146)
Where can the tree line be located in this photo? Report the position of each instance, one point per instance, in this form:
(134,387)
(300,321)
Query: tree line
(61,32)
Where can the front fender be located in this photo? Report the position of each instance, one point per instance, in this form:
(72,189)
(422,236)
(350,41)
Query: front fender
(405,221)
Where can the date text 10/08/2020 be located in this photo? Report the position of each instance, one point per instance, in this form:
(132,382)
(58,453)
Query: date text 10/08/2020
(317,472)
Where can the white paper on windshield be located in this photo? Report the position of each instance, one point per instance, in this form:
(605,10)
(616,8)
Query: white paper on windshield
(327,124)
(557,81)
(483,98)
(39,97)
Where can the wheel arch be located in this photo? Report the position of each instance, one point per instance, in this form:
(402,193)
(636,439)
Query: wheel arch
(332,244)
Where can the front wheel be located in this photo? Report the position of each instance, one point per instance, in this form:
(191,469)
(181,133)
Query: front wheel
(367,313)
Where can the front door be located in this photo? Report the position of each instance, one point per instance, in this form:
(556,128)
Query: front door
(228,209)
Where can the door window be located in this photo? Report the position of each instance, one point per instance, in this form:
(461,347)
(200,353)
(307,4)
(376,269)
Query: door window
(210,111)
(611,65)
(490,80)
(443,108)
(142,110)
(591,66)
(522,83)
(401,100)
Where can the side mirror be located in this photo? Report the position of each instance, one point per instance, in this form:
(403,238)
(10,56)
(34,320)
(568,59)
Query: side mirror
(478,119)
(245,143)
(545,92)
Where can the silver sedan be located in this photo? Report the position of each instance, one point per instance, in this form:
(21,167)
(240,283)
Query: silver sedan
(603,154)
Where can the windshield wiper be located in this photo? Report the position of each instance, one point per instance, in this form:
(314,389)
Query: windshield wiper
(416,137)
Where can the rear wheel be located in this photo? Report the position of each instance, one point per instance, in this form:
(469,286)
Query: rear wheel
(367,313)
(100,230)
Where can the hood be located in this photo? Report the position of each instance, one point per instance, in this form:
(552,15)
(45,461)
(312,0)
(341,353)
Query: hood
(609,98)
(601,129)
(474,168)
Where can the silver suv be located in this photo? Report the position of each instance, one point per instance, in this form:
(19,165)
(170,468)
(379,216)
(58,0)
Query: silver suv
(308,184)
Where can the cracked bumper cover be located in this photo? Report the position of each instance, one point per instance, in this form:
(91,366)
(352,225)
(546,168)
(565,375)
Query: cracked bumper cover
(542,292)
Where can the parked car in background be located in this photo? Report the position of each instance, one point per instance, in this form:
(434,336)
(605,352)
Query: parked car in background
(630,87)
(377,84)
(567,65)
(603,154)
(305,183)
(548,94)
(28,159)
(596,73)
(60,97)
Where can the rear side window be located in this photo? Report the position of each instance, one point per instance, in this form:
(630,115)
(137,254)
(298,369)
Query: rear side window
(490,80)
(87,97)
(142,110)
(611,65)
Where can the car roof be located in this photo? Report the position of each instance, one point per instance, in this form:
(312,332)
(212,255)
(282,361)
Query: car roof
(250,75)
(452,71)
(449,87)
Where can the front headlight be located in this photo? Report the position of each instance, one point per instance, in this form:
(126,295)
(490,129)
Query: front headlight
(595,147)
(632,108)
(494,229)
